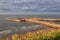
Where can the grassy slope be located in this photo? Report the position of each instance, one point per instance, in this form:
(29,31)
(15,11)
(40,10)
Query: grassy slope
(52,34)
(42,35)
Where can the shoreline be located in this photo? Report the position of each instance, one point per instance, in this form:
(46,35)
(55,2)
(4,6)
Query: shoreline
(23,33)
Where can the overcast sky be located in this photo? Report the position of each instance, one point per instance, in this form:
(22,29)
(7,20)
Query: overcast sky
(30,5)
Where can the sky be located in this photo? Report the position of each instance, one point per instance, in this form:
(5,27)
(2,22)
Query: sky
(30,5)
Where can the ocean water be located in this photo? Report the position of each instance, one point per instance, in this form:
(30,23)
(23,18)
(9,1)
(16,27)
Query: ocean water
(22,26)
(4,24)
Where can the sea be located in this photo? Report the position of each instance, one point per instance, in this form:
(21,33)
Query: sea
(23,26)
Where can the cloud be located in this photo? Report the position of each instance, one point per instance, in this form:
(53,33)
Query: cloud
(25,1)
(30,5)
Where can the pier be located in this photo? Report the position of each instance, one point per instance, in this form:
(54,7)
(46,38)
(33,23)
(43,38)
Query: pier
(39,21)
(47,19)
